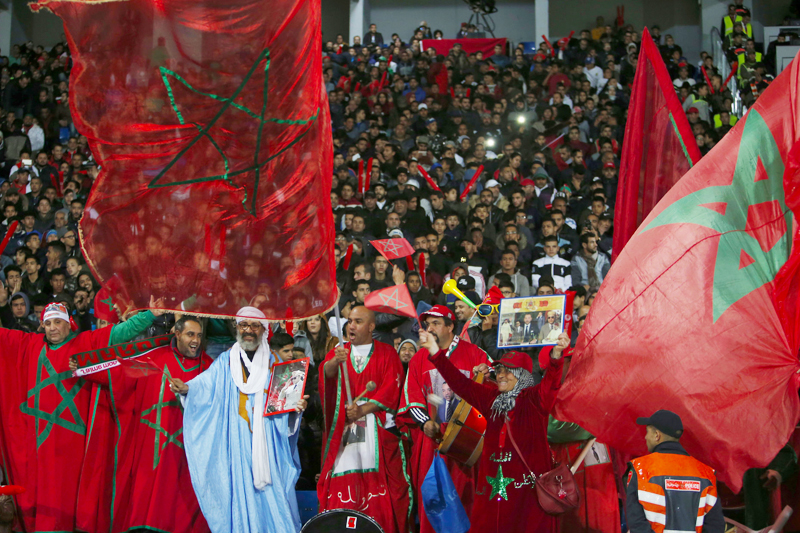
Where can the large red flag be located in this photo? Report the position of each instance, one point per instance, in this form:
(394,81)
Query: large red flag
(659,147)
(211,124)
(699,314)
(395,300)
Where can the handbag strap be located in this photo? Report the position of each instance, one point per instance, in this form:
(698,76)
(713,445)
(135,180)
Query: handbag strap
(514,443)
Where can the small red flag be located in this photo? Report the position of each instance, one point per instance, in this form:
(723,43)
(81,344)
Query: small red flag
(394,300)
(471,183)
(11,229)
(409,263)
(393,248)
(361,187)
(427,177)
(422,276)
(368,174)
(347,257)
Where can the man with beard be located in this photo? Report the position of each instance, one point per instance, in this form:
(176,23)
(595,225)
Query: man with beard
(421,379)
(362,457)
(41,387)
(243,466)
(151,481)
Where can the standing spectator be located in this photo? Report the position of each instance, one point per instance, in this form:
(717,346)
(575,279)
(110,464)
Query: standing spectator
(589,266)
(372,37)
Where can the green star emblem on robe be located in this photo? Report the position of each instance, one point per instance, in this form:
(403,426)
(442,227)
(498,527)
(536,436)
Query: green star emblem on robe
(158,408)
(499,484)
(750,216)
(67,401)
(260,154)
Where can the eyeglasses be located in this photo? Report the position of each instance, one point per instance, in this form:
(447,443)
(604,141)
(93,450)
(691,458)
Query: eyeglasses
(248,327)
(488,309)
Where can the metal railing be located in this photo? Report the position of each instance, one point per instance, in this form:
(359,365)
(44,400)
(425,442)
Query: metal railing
(721,64)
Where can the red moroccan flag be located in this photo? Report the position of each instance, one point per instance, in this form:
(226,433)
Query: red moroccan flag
(205,114)
(699,314)
(395,300)
(393,249)
(659,147)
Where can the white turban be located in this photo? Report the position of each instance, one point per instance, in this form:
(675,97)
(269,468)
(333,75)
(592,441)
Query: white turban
(248,312)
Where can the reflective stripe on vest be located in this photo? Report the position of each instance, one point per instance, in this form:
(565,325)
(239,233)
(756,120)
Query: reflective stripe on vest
(675,491)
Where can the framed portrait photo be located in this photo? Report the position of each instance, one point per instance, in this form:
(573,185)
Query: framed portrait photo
(287,384)
(530,321)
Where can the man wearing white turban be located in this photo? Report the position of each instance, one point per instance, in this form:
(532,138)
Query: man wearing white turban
(243,465)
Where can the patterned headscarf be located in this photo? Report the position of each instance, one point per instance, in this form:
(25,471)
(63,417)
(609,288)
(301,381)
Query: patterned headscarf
(506,401)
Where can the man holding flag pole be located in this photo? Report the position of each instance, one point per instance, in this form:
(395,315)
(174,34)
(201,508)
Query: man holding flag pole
(363,459)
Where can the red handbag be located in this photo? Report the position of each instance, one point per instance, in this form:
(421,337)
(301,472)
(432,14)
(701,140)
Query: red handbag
(556,490)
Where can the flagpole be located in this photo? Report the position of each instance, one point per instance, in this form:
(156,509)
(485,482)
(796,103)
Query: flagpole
(341,345)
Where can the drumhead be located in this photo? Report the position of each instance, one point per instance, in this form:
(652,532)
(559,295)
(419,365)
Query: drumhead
(341,520)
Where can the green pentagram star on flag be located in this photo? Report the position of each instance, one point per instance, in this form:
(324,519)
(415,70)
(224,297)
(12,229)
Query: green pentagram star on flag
(749,234)
(219,140)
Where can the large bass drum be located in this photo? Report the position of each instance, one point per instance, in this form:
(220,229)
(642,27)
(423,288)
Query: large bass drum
(341,521)
(463,437)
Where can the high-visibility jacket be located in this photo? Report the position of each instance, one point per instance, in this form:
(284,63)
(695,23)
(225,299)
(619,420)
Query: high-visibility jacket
(740,58)
(729,22)
(676,491)
(718,121)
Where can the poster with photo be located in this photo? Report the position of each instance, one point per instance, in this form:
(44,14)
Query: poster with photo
(530,321)
(286,386)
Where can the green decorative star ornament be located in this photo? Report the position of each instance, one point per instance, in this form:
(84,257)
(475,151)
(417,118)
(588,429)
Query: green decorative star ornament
(750,216)
(499,484)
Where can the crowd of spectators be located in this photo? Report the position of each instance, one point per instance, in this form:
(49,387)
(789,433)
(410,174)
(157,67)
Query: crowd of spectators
(546,128)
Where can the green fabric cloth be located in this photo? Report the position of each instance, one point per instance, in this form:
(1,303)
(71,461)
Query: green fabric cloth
(559,432)
(218,331)
(128,330)
(757,505)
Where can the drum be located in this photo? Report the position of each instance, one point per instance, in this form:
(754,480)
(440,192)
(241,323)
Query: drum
(341,520)
(463,437)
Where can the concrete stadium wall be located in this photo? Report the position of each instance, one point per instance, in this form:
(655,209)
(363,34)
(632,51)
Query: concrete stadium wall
(514,19)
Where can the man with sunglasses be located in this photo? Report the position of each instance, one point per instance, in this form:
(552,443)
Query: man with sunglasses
(423,379)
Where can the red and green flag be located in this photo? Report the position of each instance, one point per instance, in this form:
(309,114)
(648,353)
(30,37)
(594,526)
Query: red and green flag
(395,300)
(211,124)
(393,248)
(699,314)
(659,147)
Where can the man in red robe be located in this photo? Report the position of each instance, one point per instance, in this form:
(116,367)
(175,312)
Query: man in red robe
(45,412)
(152,480)
(422,380)
(362,459)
